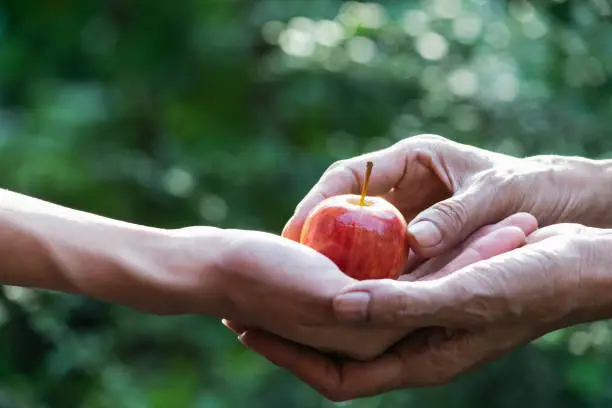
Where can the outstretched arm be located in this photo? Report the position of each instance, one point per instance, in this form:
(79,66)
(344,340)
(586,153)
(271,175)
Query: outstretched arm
(48,246)
(261,279)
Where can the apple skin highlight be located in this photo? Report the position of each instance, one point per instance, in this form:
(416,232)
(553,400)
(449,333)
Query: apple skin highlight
(368,241)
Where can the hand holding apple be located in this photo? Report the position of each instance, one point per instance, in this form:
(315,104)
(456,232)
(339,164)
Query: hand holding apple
(366,237)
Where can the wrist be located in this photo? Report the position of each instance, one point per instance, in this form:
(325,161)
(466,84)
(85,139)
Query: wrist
(168,272)
(580,188)
(125,265)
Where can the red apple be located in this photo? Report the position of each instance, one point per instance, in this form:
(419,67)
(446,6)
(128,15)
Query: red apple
(366,237)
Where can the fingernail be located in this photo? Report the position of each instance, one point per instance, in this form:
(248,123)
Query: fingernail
(426,233)
(352,306)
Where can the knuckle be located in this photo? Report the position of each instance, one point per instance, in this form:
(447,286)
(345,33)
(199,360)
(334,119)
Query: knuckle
(496,179)
(391,304)
(421,140)
(343,171)
(335,166)
(401,310)
(453,213)
(504,186)
(430,137)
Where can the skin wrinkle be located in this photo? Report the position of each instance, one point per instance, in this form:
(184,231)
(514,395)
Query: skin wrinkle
(356,176)
(545,279)
(403,177)
(584,263)
(442,171)
(452,214)
(574,281)
(541,292)
(482,304)
(507,192)
(563,204)
(594,271)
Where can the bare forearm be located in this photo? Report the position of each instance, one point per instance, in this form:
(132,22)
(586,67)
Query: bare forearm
(47,246)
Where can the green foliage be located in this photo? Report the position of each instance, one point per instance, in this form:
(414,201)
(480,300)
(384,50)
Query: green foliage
(224,112)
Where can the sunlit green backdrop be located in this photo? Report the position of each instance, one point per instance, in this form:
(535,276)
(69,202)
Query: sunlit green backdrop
(224,112)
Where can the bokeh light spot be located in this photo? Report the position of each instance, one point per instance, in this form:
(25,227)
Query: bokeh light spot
(467,28)
(213,208)
(178,182)
(446,9)
(463,82)
(506,87)
(497,35)
(329,33)
(361,49)
(415,22)
(432,46)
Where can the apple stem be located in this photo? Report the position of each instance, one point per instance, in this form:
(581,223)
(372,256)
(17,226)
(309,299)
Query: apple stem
(364,190)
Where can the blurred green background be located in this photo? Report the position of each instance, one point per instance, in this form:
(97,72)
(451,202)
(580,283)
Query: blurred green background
(225,112)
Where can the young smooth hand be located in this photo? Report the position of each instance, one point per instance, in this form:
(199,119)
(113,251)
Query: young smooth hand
(264,280)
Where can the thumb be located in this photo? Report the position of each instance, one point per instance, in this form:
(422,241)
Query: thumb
(448,223)
(393,303)
(487,291)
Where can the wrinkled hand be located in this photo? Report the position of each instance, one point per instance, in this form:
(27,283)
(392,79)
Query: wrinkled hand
(475,315)
(447,190)
(414,361)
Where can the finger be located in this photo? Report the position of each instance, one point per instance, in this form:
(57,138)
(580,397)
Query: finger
(497,242)
(427,358)
(447,223)
(524,221)
(498,288)
(347,177)
(337,381)
(563,229)
(395,303)
(390,303)
(310,366)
